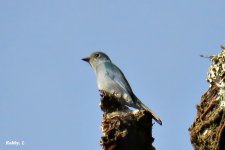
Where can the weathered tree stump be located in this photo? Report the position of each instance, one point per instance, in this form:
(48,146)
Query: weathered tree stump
(208,130)
(124,129)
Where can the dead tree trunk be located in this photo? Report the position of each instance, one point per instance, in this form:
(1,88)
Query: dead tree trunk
(208,130)
(124,129)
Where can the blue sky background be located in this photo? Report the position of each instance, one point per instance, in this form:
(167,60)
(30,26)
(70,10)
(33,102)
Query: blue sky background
(48,96)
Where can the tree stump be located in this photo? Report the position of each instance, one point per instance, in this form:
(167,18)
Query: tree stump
(124,129)
(208,130)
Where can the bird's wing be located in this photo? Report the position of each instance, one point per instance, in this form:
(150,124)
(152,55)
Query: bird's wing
(117,75)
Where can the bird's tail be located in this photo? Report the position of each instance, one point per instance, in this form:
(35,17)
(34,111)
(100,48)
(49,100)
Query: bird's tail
(142,106)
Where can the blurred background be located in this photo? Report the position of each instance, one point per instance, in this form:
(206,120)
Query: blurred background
(48,96)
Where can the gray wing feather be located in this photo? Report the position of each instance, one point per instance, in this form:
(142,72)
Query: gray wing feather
(118,76)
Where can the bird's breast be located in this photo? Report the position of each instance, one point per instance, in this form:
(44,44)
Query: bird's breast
(102,80)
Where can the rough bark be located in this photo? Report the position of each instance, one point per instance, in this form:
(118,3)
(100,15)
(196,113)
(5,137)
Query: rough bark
(208,130)
(124,129)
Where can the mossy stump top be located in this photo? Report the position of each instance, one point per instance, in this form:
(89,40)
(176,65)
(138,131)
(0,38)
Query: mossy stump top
(124,129)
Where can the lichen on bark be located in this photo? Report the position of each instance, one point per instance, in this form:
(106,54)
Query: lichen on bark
(208,130)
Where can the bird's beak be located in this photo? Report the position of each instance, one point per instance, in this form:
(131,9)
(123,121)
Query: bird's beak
(86,59)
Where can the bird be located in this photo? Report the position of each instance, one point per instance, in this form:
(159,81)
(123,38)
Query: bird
(112,80)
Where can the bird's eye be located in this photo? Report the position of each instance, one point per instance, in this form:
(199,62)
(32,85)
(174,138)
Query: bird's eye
(97,55)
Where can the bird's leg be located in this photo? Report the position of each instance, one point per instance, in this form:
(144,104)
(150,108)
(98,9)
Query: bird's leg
(102,93)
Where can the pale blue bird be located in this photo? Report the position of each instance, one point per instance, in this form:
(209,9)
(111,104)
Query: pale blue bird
(112,80)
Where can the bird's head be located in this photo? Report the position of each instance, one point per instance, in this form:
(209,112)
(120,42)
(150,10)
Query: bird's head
(96,58)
